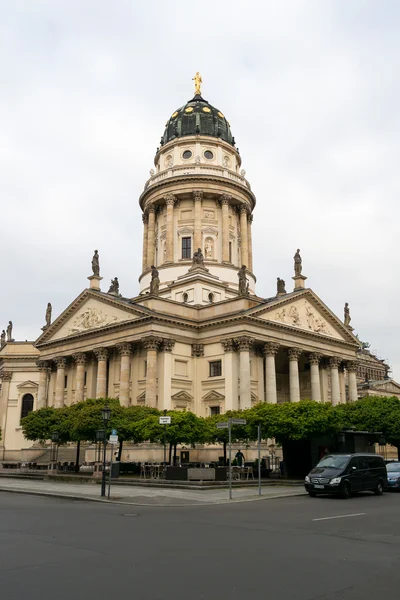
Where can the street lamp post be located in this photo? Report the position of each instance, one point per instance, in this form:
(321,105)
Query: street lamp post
(165,439)
(55,438)
(105,413)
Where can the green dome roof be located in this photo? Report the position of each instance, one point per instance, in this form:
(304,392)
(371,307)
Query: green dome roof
(197,117)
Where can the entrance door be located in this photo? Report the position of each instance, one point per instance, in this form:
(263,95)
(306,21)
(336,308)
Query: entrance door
(185,456)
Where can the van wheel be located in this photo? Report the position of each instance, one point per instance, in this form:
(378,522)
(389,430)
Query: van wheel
(312,494)
(379,488)
(346,491)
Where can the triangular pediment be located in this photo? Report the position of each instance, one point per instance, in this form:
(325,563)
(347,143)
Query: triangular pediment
(388,386)
(91,311)
(182,396)
(27,385)
(305,311)
(213,396)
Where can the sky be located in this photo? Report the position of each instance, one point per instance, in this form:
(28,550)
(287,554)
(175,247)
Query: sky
(311,90)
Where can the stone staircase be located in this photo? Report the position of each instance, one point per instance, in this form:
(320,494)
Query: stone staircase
(65,454)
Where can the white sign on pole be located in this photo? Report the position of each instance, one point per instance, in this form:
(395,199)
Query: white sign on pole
(165,420)
(238,421)
(113,439)
(222,425)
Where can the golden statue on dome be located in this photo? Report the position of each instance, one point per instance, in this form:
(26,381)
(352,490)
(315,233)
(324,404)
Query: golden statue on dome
(197,84)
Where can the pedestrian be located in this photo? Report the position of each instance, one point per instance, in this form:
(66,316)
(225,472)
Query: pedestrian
(239,458)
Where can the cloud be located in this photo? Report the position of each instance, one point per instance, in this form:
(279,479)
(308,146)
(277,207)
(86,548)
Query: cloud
(310,90)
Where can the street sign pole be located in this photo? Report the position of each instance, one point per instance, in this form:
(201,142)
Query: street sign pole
(230,457)
(109,475)
(259,459)
(165,443)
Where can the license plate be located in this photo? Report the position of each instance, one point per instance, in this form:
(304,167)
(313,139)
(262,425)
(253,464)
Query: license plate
(319,486)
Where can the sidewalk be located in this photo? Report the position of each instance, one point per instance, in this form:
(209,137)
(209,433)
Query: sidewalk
(145,496)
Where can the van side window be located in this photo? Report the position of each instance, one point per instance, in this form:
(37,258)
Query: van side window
(363,462)
(352,463)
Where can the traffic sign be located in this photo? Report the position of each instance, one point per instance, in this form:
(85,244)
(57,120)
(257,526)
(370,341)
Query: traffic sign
(113,439)
(238,421)
(222,425)
(165,420)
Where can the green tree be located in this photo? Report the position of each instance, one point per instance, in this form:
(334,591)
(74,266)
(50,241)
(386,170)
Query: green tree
(239,433)
(38,425)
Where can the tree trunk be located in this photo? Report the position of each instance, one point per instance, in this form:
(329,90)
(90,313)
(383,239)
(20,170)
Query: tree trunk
(121,443)
(225,443)
(78,451)
(175,455)
(170,453)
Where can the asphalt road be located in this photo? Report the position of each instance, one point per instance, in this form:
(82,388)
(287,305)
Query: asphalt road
(286,549)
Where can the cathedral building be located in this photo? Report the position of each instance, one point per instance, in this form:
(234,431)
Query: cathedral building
(197,336)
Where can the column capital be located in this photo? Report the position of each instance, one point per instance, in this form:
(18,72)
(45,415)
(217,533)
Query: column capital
(6,375)
(225,198)
(334,362)
(152,342)
(61,362)
(170,199)
(244,343)
(352,366)
(314,358)
(198,350)
(101,353)
(270,349)
(145,218)
(229,345)
(198,195)
(250,218)
(244,209)
(151,209)
(80,358)
(42,365)
(294,353)
(167,345)
(125,349)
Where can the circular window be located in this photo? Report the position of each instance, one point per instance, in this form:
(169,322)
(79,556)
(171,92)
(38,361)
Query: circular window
(174,115)
(189,109)
(208,154)
(187,154)
(206,109)
(211,297)
(185,297)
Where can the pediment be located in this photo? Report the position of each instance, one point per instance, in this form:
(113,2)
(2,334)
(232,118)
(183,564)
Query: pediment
(89,312)
(306,312)
(386,386)
(182,396)
(27,385)
(213,396)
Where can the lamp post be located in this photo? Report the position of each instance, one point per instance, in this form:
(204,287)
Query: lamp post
(165,439)
(105,413)
(55,438)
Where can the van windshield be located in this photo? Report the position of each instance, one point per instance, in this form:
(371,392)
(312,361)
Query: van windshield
(333,462)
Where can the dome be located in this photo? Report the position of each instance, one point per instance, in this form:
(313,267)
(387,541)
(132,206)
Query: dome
(197,117)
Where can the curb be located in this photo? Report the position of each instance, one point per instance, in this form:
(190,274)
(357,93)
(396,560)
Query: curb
(93,499)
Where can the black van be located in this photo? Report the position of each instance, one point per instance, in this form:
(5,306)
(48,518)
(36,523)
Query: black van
(344,474)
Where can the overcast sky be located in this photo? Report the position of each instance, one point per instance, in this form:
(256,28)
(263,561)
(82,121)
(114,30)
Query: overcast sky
(311,89)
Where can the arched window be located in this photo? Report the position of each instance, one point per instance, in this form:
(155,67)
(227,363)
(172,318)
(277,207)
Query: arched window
(27,405)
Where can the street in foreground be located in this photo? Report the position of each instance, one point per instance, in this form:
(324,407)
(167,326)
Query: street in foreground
(298,547)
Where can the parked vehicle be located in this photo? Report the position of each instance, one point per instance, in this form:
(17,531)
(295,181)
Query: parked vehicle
(393,475)
(345,474)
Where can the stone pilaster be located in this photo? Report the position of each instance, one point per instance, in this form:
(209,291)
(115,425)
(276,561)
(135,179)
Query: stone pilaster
(314,359)
(198,197)
(243,235)
(169,243)
(43,378)
(151,231)
(80,361)
(145,219)
(244,343)
(61,363)
(270,350)
(334,363)
(165,374)
(230,374)
(225,200)
(151,345)
(5,377)
(250,242)
(101,383)
(351,371)
(125,352)
(294,384)
(198,350)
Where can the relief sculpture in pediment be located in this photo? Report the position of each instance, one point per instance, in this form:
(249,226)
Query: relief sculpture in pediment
(91,319)
(304,316)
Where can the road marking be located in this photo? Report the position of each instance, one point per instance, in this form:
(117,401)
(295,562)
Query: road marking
(339,517)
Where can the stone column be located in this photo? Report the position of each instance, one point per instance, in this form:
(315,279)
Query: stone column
(294,384)
(230,374)
(125,351)
(225,199)
(249,241)
(101,384)
(61,363)
(314,359)
(270,350)
(42,390)
(5,377)
(342,384)
(334,363)
(243,236)
(244,342)
(165,375)
(198,197)
(324,381)
(80,361)
(145,219)
(151,345)
(169,243)
(352,370)
(151,230)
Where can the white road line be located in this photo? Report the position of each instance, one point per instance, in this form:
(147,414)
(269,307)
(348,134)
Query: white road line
(339,517)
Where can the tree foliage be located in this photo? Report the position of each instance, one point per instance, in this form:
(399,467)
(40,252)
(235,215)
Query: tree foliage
(185,428)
